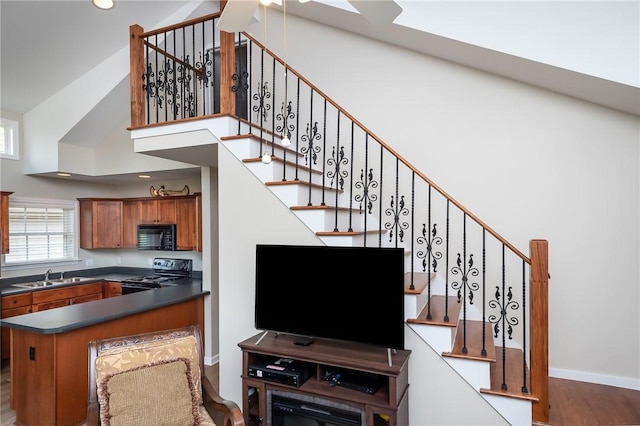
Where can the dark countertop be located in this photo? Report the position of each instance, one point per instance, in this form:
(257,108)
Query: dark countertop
(71,317)
(117,274)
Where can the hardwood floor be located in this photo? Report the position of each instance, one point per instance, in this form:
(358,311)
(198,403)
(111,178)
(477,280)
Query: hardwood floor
(572,403)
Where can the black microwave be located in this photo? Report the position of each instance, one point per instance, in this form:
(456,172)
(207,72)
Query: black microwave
(157,237)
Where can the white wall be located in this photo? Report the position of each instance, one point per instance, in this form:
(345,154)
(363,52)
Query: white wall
(13,179)
(246,218)
(530,163)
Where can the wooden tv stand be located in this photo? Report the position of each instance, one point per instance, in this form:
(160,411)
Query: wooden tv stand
(387,406)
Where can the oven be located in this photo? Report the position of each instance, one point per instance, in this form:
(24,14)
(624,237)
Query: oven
(166,272)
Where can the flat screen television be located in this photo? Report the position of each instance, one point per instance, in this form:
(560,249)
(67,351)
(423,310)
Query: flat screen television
(341,293)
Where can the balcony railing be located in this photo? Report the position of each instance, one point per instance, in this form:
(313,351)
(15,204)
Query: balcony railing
(193,71)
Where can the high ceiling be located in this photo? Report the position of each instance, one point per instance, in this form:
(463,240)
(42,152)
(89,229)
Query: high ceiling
(75,36)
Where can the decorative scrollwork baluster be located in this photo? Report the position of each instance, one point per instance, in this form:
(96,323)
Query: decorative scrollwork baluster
(429,256)
(262,108)
(367,197)
(336,161)
(465,270)
(395,211)
(310,151)
(285,116)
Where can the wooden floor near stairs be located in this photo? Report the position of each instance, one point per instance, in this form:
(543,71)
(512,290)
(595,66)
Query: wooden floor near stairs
(572,403)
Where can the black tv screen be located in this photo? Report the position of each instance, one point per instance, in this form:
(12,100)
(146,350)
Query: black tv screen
(341,293)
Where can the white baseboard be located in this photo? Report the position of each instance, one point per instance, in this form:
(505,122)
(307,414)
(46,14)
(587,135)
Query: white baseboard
(212,360)
(601,379)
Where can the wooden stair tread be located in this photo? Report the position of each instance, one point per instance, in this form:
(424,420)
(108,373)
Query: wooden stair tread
(513,375)
(324,207)
(301,182)
(437,303)
(348,233)
(420,281)
(264,141)
(473,342)
(276,159)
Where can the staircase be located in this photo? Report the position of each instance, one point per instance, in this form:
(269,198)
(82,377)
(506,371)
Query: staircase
(437,318)
(471,296)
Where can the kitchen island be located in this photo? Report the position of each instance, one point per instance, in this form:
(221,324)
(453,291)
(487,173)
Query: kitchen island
(49,362)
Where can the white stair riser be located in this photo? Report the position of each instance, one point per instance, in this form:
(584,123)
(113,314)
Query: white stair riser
(476,373)
(413,304)
(322,220)
(298,195)
(278,171)
(516,411)
(250,147)
(439,338)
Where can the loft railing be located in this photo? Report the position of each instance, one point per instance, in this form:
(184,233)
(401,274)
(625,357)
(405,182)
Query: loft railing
(191,71)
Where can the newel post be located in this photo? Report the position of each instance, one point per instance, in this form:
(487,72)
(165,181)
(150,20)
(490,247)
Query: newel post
(227,68)
(539,282)
(136,63)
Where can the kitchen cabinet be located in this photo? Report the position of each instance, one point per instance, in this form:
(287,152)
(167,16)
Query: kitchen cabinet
(181,210)
(187,223)
(12,306)
(100,223)
(144,211)
(4,220)
(50,388)
(43,300)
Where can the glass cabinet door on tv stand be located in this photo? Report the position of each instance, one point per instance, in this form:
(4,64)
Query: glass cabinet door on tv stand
(329,383)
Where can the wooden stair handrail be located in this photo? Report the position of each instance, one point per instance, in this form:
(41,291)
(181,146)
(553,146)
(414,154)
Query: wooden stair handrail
(394,153)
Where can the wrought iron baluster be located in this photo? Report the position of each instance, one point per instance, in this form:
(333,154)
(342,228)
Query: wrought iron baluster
(524,330)
(502,323)
(396,209)
(350,227)
(484,273)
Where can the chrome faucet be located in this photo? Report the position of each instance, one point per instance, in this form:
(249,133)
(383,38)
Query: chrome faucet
(46,275)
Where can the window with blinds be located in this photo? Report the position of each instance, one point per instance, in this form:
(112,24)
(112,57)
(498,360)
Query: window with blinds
(41,231)
(8,138)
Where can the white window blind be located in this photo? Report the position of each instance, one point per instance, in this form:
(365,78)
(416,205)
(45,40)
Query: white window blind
(41,231)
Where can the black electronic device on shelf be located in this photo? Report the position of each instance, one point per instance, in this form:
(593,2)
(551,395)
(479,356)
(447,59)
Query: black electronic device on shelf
(281,370)
(357,380)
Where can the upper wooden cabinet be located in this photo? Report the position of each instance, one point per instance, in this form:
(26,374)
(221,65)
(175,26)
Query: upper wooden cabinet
(186,223)
(100,223)
(184,211)
(4,220)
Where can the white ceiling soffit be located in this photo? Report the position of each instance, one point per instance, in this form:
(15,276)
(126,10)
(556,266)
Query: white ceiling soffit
(378,12)
(237,14)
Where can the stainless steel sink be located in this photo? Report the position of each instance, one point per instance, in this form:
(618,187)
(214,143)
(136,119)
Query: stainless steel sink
(46,283)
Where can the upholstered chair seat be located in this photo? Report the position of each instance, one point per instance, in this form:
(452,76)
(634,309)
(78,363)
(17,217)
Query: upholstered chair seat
(154,379)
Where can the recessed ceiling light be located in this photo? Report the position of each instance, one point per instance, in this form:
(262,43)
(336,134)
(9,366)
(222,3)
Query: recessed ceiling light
(144,176)
(103,4)
(64,174)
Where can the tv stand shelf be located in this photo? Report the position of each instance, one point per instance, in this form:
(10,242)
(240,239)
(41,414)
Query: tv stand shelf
(385,404)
